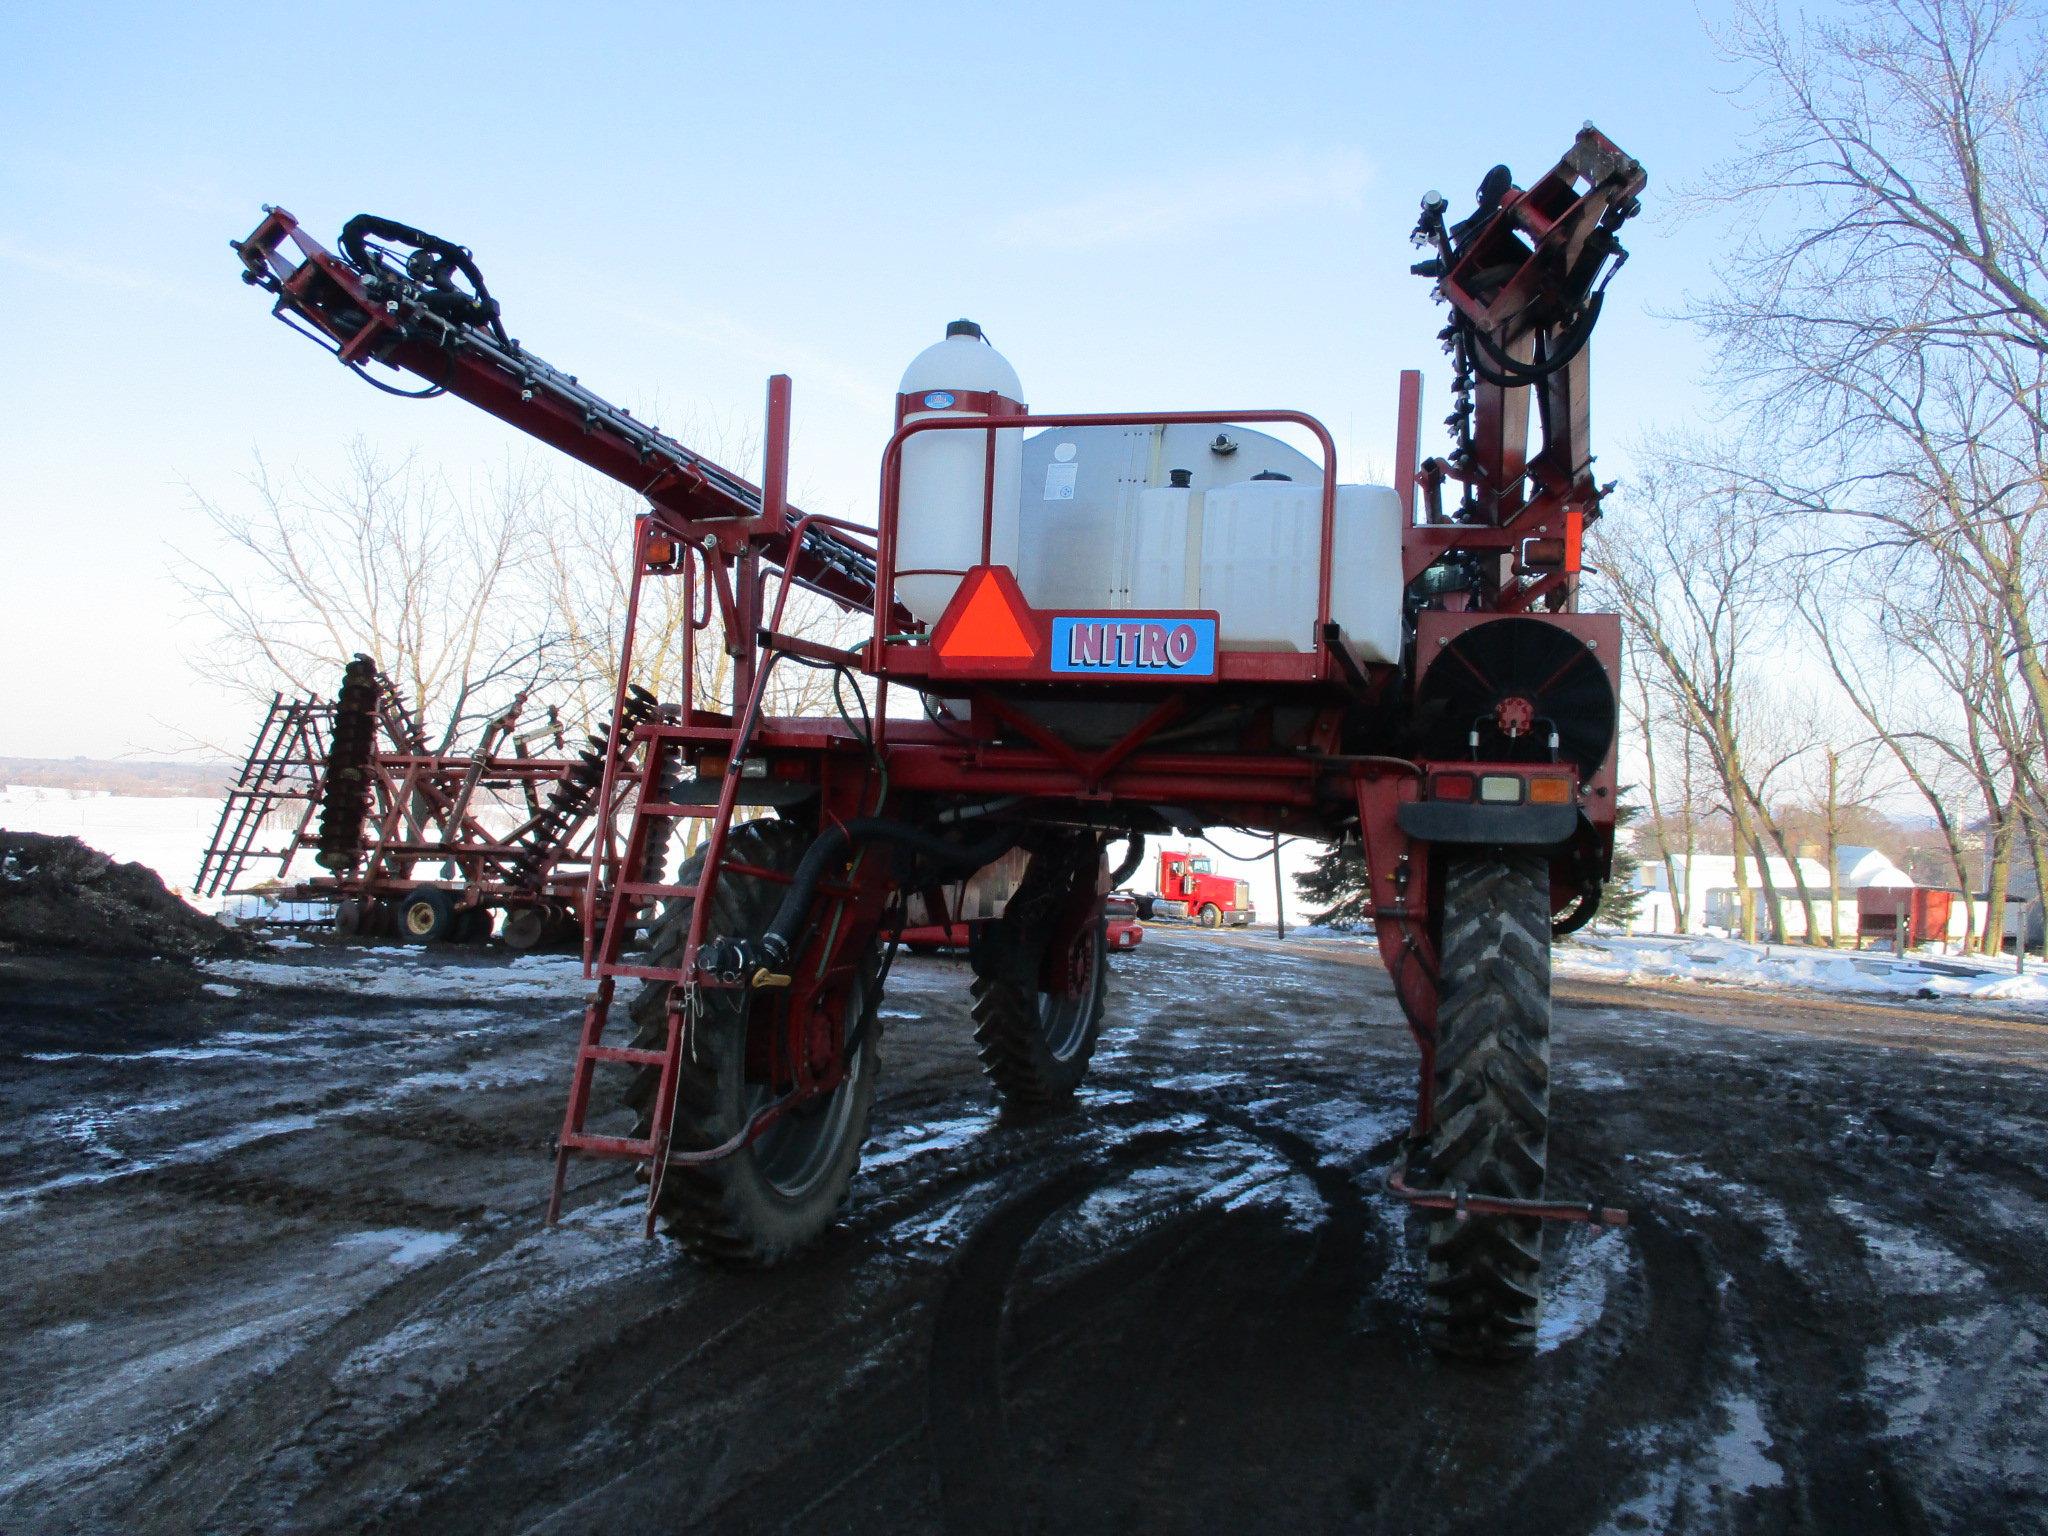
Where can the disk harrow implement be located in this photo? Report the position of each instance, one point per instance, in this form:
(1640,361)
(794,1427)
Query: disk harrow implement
(428,845)
(1106,627)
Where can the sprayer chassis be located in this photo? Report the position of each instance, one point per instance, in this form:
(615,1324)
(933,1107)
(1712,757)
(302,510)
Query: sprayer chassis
(1443,754)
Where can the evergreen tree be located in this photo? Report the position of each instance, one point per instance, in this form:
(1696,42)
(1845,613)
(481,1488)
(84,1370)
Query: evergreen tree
(1619,897)
(1336,883)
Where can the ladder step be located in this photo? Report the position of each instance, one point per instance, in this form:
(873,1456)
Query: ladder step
(649,889)
(632,1055)
(657,973)
(643,972)
(605,1146)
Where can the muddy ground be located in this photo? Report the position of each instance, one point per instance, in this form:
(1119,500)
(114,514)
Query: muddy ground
(274,1261)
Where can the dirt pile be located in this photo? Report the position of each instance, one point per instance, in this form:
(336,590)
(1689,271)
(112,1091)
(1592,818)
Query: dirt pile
(56,893)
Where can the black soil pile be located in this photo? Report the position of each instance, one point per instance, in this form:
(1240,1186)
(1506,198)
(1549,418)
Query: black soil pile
(56,893)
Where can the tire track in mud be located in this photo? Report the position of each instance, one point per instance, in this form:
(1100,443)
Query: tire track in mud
(1205,1347)
(1808,1297)
(250,1430)
(967,1416)
(507,1417)
(656,1416)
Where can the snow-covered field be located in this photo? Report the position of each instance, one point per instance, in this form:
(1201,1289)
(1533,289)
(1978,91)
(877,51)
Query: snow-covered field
(166,832)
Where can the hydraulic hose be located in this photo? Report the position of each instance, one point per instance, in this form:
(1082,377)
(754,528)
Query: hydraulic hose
(1131,860)
(773,949)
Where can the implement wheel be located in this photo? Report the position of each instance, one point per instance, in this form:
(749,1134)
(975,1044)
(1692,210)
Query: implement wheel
(428,916)
(1485,1273)
(775,1196)
(1041,978)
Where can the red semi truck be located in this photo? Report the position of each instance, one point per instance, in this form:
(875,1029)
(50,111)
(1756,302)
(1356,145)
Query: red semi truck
(1189,889)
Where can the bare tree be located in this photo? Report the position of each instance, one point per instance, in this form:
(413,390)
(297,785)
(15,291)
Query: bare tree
(1691,564)
(1886,318)
(388,559)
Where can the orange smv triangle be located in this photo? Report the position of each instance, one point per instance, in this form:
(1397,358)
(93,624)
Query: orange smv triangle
(983,623)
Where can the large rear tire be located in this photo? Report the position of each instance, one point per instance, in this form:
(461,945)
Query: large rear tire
(767,1201)
(1485,1274)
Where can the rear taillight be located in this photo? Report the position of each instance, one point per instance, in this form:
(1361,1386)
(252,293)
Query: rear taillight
(1550,791)
(1451,786)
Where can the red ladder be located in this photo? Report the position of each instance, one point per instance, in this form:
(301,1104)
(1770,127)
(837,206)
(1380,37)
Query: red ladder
(628,898)
(631,893)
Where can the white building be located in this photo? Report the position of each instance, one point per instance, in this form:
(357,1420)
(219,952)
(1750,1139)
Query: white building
(1713,899)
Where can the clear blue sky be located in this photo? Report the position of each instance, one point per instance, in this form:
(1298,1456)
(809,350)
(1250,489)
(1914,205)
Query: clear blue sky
(1146,205)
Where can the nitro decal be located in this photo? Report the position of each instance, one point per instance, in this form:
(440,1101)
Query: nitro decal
(1113,646)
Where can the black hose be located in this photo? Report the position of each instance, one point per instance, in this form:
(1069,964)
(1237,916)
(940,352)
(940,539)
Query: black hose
(440,293)
(779,942)
(1131,861)
(1508,372)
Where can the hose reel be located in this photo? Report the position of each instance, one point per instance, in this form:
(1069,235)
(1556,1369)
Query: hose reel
(1517,691)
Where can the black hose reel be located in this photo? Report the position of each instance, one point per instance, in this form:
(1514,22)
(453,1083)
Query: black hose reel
(1516,690)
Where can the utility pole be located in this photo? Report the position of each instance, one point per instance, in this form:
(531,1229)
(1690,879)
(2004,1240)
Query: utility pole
(1279,890)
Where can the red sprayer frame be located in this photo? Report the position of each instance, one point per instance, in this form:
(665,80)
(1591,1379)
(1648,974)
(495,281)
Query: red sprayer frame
(1326,745)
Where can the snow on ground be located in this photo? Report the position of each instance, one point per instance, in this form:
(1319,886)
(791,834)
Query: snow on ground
(409,971)
(1728,962)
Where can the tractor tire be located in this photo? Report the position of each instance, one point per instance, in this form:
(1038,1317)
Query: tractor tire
(427,916)
(767,1201)
(1484,1281)
(1035,1045)
(1211,916)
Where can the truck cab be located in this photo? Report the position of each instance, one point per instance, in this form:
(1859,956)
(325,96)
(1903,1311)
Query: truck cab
(1189,889)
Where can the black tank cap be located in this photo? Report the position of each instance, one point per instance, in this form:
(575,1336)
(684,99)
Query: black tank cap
(1271,474)
(964,328)
(1180,479)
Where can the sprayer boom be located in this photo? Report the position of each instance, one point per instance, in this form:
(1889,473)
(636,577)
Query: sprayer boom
(417,304)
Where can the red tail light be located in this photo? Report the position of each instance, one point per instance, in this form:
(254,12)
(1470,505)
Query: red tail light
(1451,786)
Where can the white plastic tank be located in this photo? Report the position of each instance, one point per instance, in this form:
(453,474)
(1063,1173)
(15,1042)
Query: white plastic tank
(1161,564)
(939,521)
(1259,556)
